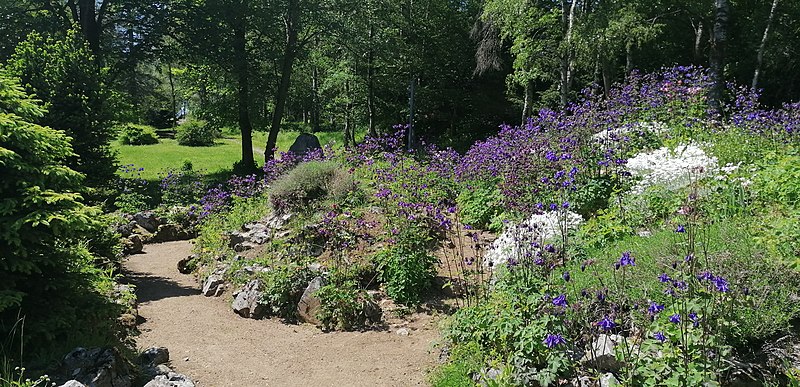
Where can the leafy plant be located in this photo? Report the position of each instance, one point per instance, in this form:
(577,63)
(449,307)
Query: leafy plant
(343,306)
(196,133)
(306,183)
(135,134)
(479,204)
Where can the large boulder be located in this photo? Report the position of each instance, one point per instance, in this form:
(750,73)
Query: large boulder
(97,367)
(154,356)
(147,220)
(171,232)
(601,355)
(172,379)
(304,143)
(213,285)
(309,303)
(247,303)
(132,244)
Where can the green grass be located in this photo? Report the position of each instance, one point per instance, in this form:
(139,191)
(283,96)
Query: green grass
(158,158)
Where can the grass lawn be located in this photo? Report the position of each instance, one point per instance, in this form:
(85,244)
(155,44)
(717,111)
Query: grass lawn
(156,159)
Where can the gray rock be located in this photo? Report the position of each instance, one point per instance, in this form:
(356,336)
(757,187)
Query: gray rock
(304,143)
(608,380)
(183,264)
(246,302)
(132,244)
(97,367)
(486,376)
(403,332)
(125,229)
(154,356)
(172,379)
(147,220)
(171,232)
(601,354)
(309,302)
(73,383)
(212,285)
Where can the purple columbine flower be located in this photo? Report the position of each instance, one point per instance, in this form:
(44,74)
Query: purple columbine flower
(566,276)
(680,228)
(655,308)
(664,278)
(721,284)
(606,323)
(565,205)
(627,259)
(554,340)
(680,285)
(561,301)
(705,276)
(660,336)
(675,318)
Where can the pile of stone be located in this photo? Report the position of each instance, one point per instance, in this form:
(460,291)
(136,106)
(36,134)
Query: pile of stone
(147,227)
(106,367)
(259,232)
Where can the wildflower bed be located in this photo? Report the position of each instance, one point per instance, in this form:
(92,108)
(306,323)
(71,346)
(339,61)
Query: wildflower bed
(636,219)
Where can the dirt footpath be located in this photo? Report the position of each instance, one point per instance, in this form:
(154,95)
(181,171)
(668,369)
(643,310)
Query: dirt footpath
(217,348)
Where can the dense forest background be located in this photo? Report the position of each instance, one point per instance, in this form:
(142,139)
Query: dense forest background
(455,69)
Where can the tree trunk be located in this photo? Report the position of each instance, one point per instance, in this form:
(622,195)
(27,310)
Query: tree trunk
(567,61)
(371,85)
(315,99)
(172,93)
(698,40)
(760,56)
(289,53)
(527,105)
(243,95)
(87,13)
(628,59)
(717,65)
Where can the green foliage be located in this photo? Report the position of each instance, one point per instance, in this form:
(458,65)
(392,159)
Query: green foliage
(64,75)
(196,133)
(779,180)
(183,187)
(464,361)
(50,275)
(303,185)
(282,287)
(17,378)
(135,134)
(479,204)
(407,269)
(342,306)
(211,241)
(607,226)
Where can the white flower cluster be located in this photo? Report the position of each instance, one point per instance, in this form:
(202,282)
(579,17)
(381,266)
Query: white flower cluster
(615,133)
(523,240)
(726,173)
(671,168)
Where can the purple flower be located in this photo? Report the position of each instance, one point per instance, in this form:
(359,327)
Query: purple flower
(675,318)
(655,308)
(680,228)
(566,276)
(664,278)
(554,340)
(606,323)
(721,284)
(627,259)
(660,336)
(561,301)
(705,276)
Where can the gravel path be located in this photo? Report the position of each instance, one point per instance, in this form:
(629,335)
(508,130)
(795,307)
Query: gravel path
(215,347)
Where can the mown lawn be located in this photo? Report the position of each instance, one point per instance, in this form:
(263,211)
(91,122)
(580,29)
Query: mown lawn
(218,159)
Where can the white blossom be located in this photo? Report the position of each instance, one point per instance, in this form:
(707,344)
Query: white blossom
(520,241)
(671,168)
(615,133)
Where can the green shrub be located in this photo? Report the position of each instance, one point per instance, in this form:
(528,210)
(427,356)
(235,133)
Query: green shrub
(342,306)
(64,75)
(407,273)
(196,133)
(303,185)
(479,204)
(134,134)
(282,288)
(50,281)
